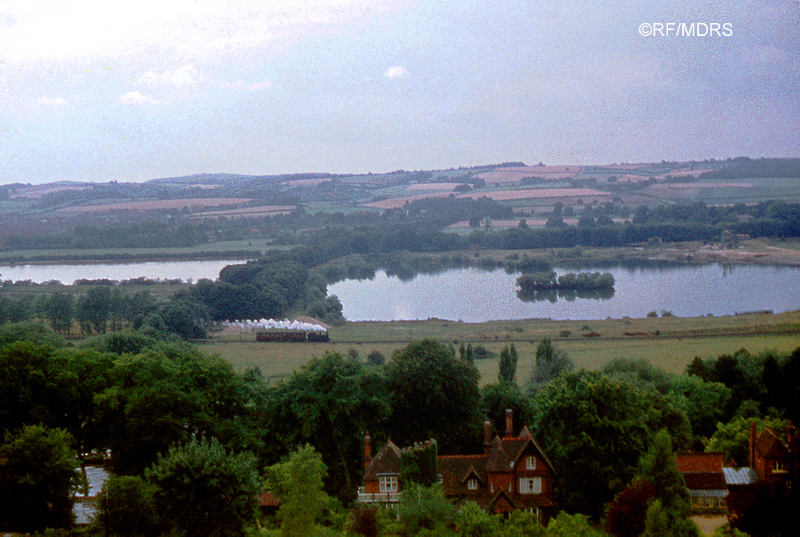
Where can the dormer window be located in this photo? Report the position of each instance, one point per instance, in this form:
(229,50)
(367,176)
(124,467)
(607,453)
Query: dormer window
(472,484)
(530,463)
(779,467)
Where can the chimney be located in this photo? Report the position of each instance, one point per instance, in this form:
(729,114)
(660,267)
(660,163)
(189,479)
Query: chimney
(487,436)
(367,450)
(752,444)
(509,422)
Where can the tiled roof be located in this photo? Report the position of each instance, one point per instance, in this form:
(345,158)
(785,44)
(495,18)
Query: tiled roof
(770,445)
(387,461)
(700,462)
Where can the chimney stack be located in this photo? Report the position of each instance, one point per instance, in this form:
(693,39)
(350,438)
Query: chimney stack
(487,436)
(509,422)
(367,450)
(752,444)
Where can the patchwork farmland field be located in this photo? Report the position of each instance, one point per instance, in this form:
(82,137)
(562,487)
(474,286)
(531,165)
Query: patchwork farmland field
(156,205)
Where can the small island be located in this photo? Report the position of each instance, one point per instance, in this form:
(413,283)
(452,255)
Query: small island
(548,286)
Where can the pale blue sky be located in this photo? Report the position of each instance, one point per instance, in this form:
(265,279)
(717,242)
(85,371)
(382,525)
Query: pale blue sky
(129,91)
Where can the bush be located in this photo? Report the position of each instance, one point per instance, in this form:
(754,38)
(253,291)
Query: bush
(127,506)
(375,358)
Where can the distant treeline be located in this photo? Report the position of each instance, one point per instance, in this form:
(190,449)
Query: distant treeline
(745,167)
(128,257)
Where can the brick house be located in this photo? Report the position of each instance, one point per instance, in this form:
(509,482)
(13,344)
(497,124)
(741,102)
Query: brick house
(513,472)
(774,458)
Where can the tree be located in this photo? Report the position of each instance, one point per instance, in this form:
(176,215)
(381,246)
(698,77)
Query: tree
(626,514)
(94,309)
(433,395)
(658,466)
(472,521)
(703,402)
(550,363)
(37,477)
(169,394)
(508,364)
(595,429)
(733,438)
(330,402)
(496,398)
(425,508)
(185,318)
(127,506)
(205,490)
(298,481)
(567,525)
(59,308)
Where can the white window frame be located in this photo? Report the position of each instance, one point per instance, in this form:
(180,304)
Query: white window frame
(472,484)
(535,512)
(387,483)
(530,463)
(779,467)
(530,485)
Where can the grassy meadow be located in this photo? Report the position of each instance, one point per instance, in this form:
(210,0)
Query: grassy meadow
(669,343)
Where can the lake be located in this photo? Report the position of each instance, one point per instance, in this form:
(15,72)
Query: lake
(473,295)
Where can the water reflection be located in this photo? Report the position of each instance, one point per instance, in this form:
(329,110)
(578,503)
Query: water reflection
(474,295)
(570,295)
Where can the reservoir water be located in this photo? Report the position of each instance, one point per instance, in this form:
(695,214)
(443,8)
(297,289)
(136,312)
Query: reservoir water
(473,295)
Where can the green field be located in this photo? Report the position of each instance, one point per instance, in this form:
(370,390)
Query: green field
(678,341)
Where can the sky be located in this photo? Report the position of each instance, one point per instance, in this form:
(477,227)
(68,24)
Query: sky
(92,90)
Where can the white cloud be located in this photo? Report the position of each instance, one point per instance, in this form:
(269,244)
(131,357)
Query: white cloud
(136,98)
(247,87)
(396,71)
(51,101)
(57,30)
(181,77)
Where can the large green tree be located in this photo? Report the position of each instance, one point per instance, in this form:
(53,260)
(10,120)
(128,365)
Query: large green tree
(595,428)
(298,481)
(330,403)
(498,397)
(433,395)
(37,475)
(658,466)
(169,394)
(59,309)
(205,490)
(93,310)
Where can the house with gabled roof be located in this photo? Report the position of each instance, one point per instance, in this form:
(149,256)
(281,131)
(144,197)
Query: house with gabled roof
(774,458)
(513,473)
